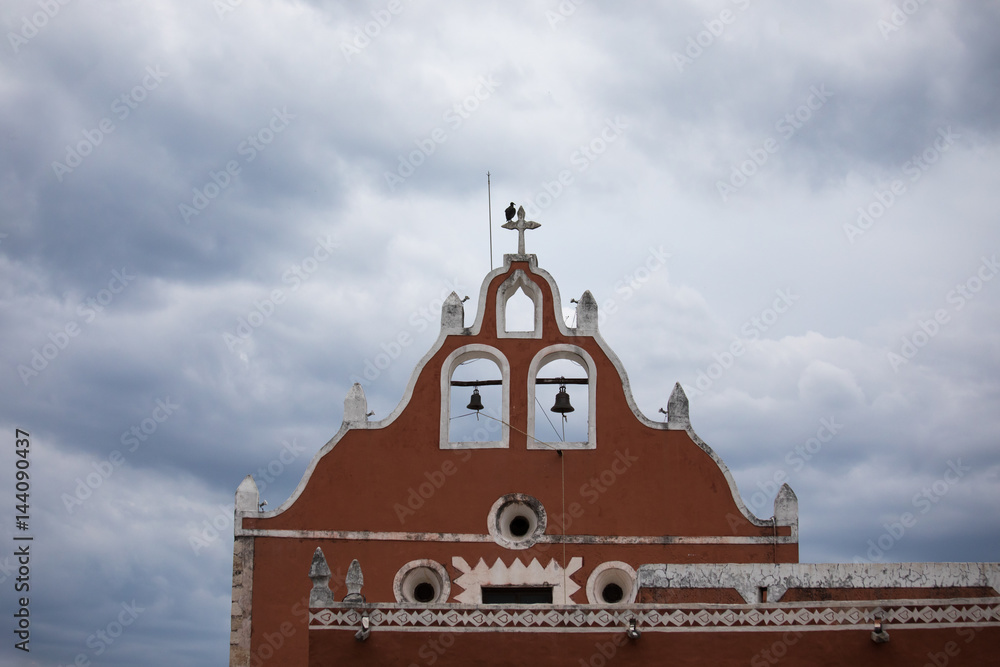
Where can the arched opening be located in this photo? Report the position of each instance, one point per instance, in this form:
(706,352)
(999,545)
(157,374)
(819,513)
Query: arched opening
(519,313)
(560,427)
(562,376)
(482,372)
(467,424)
(519,307)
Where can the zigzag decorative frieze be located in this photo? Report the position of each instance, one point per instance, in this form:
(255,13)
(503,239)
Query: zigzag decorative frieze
(517,573)
(542,618)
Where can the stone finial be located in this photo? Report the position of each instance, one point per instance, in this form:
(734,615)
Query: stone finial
(452,315)
(247,495)
(319,572)
(586,314)
(677,409)
(786,507)
(356,406)
(355,580)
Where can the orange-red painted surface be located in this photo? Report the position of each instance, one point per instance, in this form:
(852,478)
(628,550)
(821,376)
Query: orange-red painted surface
(640,481)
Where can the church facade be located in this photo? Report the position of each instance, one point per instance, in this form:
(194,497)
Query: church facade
(484,533)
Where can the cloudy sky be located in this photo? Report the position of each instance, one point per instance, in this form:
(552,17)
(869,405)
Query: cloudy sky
(215,216)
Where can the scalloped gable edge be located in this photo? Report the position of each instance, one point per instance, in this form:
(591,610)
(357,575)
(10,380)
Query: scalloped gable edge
(476,330)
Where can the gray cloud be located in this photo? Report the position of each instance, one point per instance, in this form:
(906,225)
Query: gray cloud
(415,92)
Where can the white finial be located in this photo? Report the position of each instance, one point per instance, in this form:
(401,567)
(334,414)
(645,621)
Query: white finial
(586,314)
(452,314)
(677,409)
(786,506)
(247,495)
(355,406)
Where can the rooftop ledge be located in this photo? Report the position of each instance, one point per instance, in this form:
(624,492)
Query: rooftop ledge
(658,617)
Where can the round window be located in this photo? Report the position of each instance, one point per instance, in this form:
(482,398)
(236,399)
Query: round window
(516,521)
(613,582)
(422,582)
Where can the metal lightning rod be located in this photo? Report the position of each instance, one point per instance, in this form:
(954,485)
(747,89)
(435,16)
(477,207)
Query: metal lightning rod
(489,201)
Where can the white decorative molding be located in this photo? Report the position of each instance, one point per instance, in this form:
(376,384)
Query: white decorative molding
(516,574)
(400,536)
(800,616)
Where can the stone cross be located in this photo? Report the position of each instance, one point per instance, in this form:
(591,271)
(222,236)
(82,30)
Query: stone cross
(520,225)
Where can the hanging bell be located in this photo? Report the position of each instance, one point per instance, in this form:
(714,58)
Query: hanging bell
(562,405)
(476,402)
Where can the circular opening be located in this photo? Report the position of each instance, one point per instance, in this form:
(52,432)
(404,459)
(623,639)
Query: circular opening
(612,593)
(424,592)
(519,526)
(421,582)
(612,583)
(516,521)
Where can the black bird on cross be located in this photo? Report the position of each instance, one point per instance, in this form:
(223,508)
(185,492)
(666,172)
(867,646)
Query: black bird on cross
(510,212)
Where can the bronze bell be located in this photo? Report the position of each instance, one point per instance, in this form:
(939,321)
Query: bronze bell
(476,402)
(562,405)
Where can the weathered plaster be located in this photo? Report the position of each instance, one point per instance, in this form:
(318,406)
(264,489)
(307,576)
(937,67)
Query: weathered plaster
(452,315)
(247,497)
(319,573)
(354,582)
(355,407)
(586,315)
(678,417)
(749,578)
(786,509)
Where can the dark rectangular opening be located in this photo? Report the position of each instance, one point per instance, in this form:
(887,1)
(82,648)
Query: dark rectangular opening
(517,595)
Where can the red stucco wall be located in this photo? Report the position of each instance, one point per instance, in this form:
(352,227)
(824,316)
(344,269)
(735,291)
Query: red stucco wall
(639,481)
